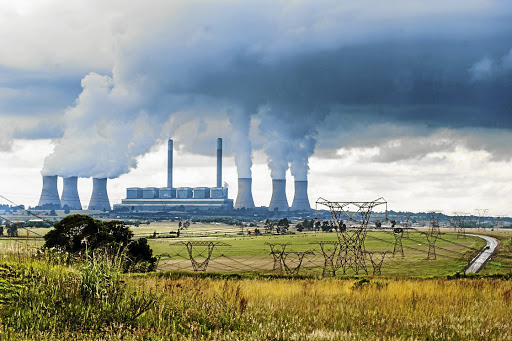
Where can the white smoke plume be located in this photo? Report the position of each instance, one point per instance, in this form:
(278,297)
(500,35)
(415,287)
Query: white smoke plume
(289,57)
(291,138)
(240,122)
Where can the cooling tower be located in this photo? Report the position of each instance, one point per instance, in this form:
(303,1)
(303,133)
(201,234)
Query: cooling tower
(49,194)
(244,196)
(99,199)
(278,200)
(300,199)
(169,163)
(219,162)
(70,194)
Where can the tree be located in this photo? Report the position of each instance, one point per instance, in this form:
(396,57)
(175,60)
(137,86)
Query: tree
(318,224)
(283,225)
(378,224)
(299,227)
(308,224)
(326,227)
(12,230)
(269,226)
(78,234)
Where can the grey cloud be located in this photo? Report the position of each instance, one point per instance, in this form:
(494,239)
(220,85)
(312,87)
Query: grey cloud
(297,61)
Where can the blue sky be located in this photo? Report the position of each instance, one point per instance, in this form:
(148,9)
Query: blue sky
(408,100)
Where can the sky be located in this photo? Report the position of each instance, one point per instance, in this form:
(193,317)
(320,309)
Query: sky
(408,100)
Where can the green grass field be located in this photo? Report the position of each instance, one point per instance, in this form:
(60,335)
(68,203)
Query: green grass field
(251,254)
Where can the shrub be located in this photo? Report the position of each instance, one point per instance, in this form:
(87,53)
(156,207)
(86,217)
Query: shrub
(80,234)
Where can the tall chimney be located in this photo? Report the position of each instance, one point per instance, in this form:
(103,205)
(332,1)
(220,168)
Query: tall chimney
(70,194)
(219,162)
(49,194)
(169,163)
(300,199)
(278,200)
(244,196)
(99,199)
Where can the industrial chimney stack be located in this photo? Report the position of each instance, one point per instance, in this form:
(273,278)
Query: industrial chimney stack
(300,199)
(70,194)
(219,162)
(169,163)
(278,200)
(99,199)
(49,194)
(244,196)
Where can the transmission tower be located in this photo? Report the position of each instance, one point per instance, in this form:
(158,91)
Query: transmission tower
(277,251)
(432,234)
(481,213)
(398,233)
(376,258)
(458,222)
(352,239)
(205,251)
(329,251)
(300,257)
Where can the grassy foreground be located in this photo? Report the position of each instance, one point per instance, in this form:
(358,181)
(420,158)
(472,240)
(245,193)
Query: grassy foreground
(44,300)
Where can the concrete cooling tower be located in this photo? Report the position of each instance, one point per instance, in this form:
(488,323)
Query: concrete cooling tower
(278,199)
(49,194)
(300,199)
(70,194)
(99,199)
(244,196)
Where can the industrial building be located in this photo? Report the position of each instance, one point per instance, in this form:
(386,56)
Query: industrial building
(169,198)
(155,199)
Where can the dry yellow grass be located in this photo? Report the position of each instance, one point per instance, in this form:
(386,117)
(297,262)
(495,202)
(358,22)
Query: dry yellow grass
(466,309)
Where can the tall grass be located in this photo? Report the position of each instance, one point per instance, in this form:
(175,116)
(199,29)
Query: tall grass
(91,299)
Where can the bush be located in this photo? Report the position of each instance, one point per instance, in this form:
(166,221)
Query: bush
(80,235)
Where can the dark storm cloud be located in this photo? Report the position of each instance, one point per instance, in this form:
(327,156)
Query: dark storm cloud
(292,65)
(426,82)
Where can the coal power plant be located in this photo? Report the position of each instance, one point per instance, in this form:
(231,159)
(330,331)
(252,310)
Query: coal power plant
(170,198)
(244,196)
(70,198)
(278,202)
(155,199)
(99,198)
(300,199)
(49,193)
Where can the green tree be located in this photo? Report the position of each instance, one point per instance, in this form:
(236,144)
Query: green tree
(326,227)
(80,233)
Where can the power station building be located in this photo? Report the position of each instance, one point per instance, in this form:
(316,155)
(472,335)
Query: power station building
(154,199)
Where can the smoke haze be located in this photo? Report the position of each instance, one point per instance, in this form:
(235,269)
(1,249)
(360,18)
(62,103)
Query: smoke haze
(292,65)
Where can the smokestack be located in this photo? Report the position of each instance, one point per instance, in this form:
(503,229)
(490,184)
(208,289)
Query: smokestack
(70,194)
(49,194)
(244,196)
(169,163)
(278,200)
(300,199)
(219,162)
(99,199)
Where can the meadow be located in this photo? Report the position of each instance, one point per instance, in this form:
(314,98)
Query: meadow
(44,300)
(249,253)
(45,296)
